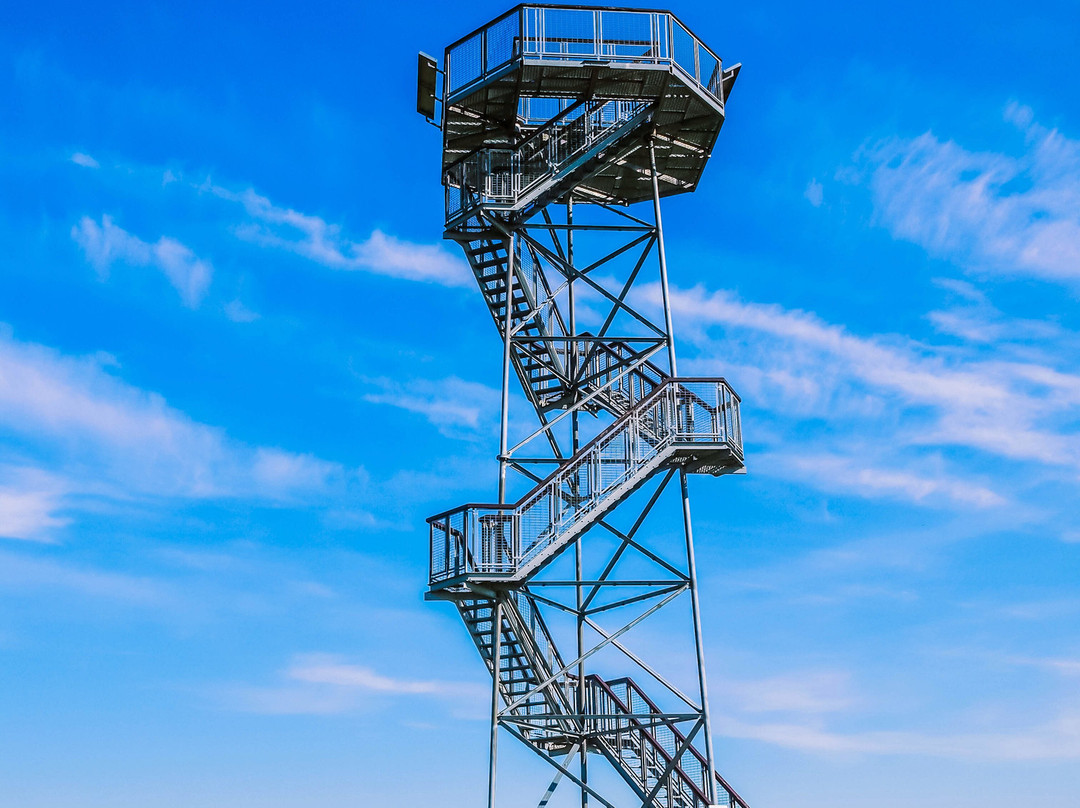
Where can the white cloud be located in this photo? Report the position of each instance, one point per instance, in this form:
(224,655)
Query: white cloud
(986,210)
(113,436)
(84,160)
(324,243)
(239,313)
(323,684)
(30,513)
(811,692)
(328,670)
(814,193)
(1058,739)
(886,416)
(447,403)
(106,243)
(801,365)
(19,572)
(855,474)
(1065,667)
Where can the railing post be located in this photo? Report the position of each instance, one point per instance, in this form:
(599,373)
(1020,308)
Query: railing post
(662,257)
(508,322)
(515,533)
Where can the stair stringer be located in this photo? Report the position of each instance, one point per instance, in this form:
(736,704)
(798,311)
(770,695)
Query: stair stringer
(522,642)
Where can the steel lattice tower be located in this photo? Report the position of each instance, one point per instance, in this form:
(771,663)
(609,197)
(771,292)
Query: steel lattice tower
(557,122)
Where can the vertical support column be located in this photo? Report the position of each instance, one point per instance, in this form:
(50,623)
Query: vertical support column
(691,567)
(496,663)
(572,352)
(508,321)
(575,443)
(582,705)
(663,258)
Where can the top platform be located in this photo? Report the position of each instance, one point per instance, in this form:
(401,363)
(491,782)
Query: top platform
(504,79)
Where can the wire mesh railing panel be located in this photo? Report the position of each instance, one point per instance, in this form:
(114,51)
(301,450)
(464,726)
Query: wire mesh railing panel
(684,50)
(709,71)
(465,62)
(630,34)
(565,32)
(536,519)
(501,41)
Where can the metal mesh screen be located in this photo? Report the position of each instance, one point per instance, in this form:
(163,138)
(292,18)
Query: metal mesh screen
(569,32)
(502,40)
(627,34)
(684,45)
(709,71)
(466,62)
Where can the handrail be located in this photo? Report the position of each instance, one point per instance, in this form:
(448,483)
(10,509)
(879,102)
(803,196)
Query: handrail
(632,688)
(523,32)
(503,178)
(503,539)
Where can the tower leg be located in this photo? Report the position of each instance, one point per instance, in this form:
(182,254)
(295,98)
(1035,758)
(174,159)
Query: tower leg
(575,445)
(508,323)
(581,700)
(496,661)
(691,567)
(662,256)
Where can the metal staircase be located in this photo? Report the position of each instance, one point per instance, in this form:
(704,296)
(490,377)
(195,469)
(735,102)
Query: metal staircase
(652,753)
(544,109)
(527,659)
(690,423)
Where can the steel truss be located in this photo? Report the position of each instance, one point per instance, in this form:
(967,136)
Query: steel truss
(573,276)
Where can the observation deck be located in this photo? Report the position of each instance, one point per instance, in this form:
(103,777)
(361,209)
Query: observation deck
(516,77)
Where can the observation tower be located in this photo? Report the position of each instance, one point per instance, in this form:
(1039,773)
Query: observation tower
(563,129)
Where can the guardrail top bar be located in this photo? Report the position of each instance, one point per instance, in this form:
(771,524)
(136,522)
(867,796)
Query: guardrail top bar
(568,7)
(519,9)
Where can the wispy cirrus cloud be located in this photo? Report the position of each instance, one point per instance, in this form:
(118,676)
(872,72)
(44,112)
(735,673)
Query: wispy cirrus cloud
(449,404)
(84,160)
(106,243)
(874,477)
(30,504)
(112,436)
(236,311)
(1055,739)
(318,240)
(899,403)
(988,211)
(809,692)
(326,684)
(22,572)
(1061,666)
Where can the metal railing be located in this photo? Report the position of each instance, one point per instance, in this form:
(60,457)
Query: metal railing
(544,659)
(503,539)
(622,730)
(580,34)
(502,178)
(528,656)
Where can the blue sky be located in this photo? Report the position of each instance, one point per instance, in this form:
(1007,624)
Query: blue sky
(238,369)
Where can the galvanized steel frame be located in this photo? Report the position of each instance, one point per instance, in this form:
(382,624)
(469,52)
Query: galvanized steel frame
(500,213)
